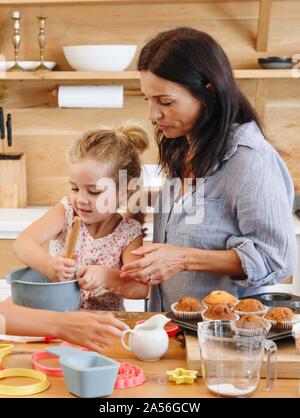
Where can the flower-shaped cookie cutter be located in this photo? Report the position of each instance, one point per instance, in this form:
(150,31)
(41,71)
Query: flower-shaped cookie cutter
(129,375)
(180,376)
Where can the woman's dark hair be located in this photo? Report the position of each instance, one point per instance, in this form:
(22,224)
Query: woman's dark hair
(194,59)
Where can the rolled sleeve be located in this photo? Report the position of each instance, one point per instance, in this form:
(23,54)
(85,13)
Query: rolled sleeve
(266,245)
(256,265)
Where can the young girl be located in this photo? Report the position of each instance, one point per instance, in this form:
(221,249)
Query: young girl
(106,240)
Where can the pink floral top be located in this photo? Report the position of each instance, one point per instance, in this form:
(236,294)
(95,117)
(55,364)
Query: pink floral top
(105,251)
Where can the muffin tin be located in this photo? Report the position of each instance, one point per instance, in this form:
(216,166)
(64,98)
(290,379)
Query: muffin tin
(191,325)
(268,299)
(279,299)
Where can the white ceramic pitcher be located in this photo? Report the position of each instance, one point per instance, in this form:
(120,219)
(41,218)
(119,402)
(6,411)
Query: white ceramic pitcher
(148,341)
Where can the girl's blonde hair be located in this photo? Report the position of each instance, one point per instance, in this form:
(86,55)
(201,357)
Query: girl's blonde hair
(119,146)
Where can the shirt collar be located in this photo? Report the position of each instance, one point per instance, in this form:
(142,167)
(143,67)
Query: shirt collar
(248,135)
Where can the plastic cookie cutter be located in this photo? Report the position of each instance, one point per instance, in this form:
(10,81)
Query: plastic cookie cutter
(129,375)
(5,349)
(180,376)
(31,389)
(87,374)
(43,355)
(79,347)
(49,371)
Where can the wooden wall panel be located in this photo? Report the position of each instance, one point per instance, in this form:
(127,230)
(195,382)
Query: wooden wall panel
(44,132)
(8,261)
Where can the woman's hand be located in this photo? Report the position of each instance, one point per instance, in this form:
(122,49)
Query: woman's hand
(90,330)
(60,268)
(92,277)
(161,262)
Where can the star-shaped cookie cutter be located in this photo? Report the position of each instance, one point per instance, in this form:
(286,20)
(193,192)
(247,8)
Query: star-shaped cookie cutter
(180,376)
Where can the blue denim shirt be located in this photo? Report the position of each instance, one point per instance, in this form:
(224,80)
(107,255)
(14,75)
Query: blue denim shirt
(247,207)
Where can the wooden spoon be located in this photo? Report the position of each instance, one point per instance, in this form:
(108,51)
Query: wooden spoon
(72,237)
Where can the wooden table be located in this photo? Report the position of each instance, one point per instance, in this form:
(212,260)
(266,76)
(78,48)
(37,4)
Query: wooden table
(156,385)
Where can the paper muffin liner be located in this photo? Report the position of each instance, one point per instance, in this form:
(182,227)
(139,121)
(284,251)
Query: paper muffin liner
(257,313)
(185,314)
(206,319)
(282,325)
(255,332)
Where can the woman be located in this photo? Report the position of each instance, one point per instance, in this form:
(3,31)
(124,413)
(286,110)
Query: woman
(241,234)
(90,330)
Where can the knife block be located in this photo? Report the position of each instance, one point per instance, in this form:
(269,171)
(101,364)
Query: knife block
(13,187)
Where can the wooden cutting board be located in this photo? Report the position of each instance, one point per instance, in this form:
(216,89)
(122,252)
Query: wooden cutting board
(288,360)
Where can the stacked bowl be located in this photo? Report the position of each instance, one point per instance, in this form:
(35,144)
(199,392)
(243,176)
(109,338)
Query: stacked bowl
(99,57)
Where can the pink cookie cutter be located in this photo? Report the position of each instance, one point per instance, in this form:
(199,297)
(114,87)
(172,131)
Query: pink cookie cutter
(129,375)
(49,371)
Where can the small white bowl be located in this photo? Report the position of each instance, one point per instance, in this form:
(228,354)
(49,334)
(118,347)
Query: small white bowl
(26,65)
(99,57)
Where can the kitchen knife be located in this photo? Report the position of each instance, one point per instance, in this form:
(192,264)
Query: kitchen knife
(9,132)
(2,129)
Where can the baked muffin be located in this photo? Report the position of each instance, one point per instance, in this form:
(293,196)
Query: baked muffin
(280,314)
(220,311)
(188,307)
(220,296)
(189,304)
(252,325)
(250,307)
(280,317)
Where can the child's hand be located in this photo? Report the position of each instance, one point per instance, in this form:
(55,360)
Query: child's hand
(60,269)
(92,277)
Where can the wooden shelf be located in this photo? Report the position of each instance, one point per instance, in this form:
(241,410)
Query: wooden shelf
(126,75)
(261,73)
(117,2)
(71,75)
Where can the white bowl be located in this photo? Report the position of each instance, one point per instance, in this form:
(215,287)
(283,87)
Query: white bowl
(26,65)
(99,57)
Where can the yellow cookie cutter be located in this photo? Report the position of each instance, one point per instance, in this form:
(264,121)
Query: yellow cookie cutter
(32,389)
(180,376)
(4,350)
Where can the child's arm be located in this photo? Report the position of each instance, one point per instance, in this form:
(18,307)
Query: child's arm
(28,246)
(92,277)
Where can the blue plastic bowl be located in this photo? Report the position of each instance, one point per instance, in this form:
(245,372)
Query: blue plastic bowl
(32,289)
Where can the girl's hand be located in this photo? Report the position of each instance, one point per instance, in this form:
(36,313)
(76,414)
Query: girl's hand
(60,268)
(92,277)
(161,262)
(90,330)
